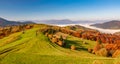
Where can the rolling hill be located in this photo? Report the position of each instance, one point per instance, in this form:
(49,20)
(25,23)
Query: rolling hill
(78,27)
(29,48)
(115,24)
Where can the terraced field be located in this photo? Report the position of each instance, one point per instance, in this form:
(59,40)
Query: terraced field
(29,48)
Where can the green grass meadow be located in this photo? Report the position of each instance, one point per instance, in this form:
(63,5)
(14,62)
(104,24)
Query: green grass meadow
(29,48)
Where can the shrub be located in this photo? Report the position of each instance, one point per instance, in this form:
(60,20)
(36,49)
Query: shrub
(73,47)
(102,52)
(15,29)
(28,27)
(50,36)
(99,41)
(93,52)
(97,47)
(61,38)
(111,52)
(60,43)
(90,50)
(54,40)
(46,34)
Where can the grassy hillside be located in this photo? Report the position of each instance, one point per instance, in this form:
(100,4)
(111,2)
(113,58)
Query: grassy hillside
(29,48)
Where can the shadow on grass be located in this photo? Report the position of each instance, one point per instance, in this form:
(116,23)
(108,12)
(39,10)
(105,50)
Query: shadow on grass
(79,46)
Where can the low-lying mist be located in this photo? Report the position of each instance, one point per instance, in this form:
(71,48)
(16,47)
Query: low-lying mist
(111,31)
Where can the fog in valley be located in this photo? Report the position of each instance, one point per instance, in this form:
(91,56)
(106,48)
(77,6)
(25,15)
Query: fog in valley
(110,31)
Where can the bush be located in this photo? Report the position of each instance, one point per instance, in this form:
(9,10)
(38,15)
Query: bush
(60,43)
(54,40)
(97,48)
(73,47)
(28,27)
(93,52)
(90,50)
(102,52)
(61,38)
(111,52)
(50,36)
(46,34)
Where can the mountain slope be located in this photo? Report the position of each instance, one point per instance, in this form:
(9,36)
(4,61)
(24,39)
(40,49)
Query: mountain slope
(115,24)
(28,48)
(4,22)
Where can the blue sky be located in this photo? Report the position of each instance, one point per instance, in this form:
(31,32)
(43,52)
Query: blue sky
(60,9)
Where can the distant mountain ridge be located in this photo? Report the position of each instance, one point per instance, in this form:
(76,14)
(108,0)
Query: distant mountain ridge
(4,22)
(66,21)
(114,24)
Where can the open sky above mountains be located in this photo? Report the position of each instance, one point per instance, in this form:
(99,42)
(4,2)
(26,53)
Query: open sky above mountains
(60,9)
